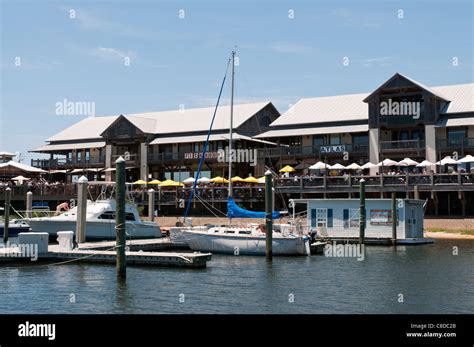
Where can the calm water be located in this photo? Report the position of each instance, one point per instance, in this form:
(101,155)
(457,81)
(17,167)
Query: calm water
(431,279)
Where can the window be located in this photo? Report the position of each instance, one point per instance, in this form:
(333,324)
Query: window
(320,217)
(360,139)
(88,154)
(456,135)
(107,215)
(335,139)
(130,217)
(185,147)
(319,140)
(351,218)
(79,156)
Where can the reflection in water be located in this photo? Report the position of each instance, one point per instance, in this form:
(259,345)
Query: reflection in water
(430,277)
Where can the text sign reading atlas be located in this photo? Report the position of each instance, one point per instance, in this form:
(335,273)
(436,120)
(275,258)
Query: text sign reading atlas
(332,149)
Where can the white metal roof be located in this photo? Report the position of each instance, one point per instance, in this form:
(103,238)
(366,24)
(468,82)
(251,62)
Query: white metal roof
(22,167)
(325,109)
(315,131)
(68,146)
(454,122)
(165,122)
(352,107)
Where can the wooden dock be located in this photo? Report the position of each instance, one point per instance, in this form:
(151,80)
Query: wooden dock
(139,252)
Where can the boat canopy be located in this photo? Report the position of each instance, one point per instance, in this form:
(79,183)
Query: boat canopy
(235,211)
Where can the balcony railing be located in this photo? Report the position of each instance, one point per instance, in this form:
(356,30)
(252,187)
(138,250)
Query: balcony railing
(66,163)
(403,145)
(302,151)
(455,144)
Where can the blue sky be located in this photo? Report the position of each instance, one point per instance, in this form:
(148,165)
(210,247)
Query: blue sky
(177,61)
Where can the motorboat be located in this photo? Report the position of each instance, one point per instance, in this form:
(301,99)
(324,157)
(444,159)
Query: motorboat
(15,227)
(100,222)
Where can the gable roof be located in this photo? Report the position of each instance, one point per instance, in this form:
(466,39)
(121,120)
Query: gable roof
(165,122)
(399,75)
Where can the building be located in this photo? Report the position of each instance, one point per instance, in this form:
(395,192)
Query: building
(401,118)
(357,128)
(159,144)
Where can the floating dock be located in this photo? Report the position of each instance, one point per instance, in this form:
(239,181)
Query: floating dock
(139,252)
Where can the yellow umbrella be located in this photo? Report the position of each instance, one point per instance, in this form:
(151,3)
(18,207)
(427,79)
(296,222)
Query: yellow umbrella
(139,182)
(251,179)
(261,180)
(287,168)
(237,179)
(170,183)
(219,179)
(155,182)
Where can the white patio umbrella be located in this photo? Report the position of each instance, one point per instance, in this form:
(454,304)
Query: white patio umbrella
(368,165)
(407,162)
(189,180)
(353,166)
(447,161)
(204,180)
(318,166)
(337,167)
(387,162)
(20,178)
(467,159)
(425,163)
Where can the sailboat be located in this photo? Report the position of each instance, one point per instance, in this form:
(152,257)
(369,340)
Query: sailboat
(239,240)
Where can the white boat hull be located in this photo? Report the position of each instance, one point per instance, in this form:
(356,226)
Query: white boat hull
(244,244)
(96,230)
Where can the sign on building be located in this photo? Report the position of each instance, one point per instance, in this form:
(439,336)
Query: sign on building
(332,149)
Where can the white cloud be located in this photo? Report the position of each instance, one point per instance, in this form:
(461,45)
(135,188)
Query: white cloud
(288,47)
(107,53)
(378,61)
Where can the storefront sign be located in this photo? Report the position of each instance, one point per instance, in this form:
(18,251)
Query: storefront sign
(198,155)
(332,149)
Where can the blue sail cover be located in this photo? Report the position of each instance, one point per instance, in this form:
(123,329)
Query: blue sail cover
(235,211)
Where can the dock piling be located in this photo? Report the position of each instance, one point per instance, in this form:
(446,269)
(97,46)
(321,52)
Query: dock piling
(81,209)
(120,226)
(8,197)
(29,205)
(268,215)
(394,219)
(416,192)
(151,204)
(362,212)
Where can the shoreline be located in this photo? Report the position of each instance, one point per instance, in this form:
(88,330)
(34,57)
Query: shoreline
(448,235)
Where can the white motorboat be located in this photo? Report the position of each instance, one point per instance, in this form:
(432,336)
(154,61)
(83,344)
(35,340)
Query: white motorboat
(246,240)
(100,222)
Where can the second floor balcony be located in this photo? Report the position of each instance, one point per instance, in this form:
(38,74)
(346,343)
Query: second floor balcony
(68,163)
(313,151)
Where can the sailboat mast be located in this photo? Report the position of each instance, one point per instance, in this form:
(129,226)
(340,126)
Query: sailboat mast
(231,125)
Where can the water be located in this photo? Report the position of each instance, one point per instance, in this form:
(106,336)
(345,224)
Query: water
(430,277)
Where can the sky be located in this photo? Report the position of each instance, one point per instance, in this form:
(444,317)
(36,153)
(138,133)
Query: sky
(142,56)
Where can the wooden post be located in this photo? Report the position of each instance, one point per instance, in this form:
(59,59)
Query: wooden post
(394,219)
(29,205)
(81,209)
(416,192)
(151,204)
(120,226)
(268,215)
(362,212)
(8,197)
